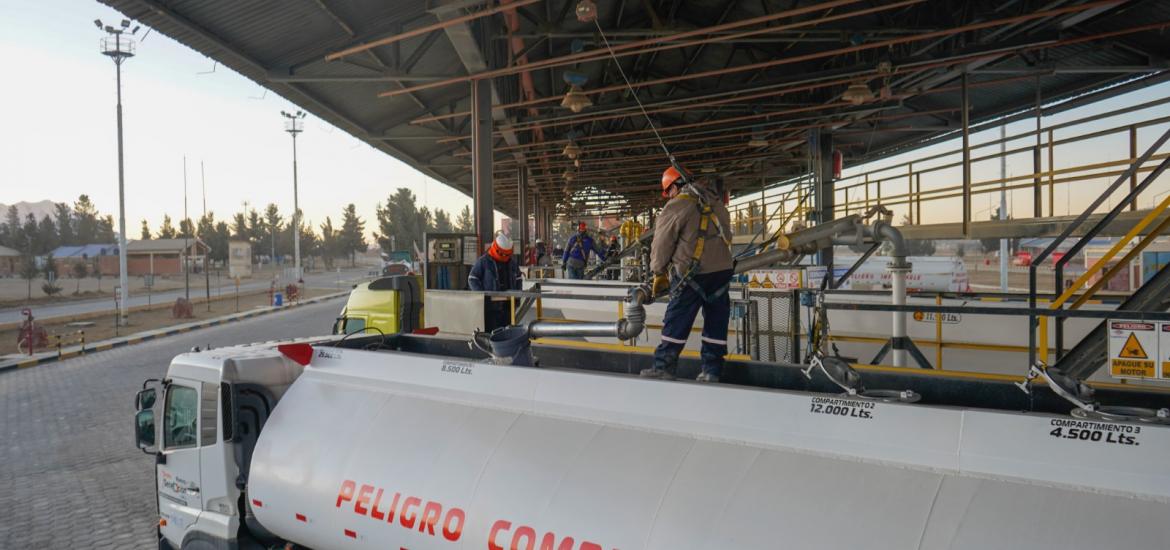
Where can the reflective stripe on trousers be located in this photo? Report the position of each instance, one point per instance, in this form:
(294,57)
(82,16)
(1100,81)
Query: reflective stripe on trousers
(680,317)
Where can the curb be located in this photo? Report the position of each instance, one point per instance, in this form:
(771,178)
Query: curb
(137,338)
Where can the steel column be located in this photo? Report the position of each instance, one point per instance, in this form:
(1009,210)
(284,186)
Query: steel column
(521,232)
(481,160)
(966,115)
(1037,181)
(825,202)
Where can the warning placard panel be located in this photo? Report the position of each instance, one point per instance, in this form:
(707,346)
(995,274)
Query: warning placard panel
(1134,349)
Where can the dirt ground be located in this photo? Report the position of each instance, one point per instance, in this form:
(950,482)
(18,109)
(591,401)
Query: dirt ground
(103,327)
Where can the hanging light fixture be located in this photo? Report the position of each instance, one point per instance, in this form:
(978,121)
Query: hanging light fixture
(576,100)
(569,175)
(572,150)
(586,11)
(857,93)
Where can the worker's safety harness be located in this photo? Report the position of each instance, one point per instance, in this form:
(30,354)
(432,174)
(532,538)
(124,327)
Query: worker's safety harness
(707,218)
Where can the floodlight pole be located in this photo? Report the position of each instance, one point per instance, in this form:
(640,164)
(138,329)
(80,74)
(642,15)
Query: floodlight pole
(123,48)
(294,126)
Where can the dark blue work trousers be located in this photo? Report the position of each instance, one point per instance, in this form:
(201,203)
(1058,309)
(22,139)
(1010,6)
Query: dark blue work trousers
(684,304)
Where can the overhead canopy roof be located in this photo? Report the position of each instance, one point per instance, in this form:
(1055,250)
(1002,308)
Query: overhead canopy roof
(734,85)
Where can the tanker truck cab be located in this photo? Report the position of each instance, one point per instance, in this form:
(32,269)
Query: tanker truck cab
(210,409)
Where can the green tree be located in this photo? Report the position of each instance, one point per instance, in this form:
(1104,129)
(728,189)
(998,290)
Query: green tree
(86,217)
(219,242)
(443,221)
(50,269)
(272,225)
(167,229)
(145,231)
(64,220)
(352,238)
(240,226)
(330,246)
(186,229)
(47,234)
(464,223)
(399,223)
(32,235)
(15,233)
(255,227)
(80,271)
(105,230)
(28,269)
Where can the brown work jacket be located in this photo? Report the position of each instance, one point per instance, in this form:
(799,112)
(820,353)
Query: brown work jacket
(676,230)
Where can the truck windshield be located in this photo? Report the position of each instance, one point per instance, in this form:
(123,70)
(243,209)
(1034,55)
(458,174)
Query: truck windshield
(181,413)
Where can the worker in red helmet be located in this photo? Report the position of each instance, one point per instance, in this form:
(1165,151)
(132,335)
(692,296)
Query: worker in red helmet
(576,255)
(690,257)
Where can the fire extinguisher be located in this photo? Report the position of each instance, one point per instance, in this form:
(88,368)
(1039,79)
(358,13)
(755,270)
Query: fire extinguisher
(838,163)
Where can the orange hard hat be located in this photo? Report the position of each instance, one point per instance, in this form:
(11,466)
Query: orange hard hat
(670,176)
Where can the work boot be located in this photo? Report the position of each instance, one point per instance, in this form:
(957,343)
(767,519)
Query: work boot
(708,377)
(660,374)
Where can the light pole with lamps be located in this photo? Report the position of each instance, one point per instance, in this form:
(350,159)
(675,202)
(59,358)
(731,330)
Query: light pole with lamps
(119,46)
(294,124)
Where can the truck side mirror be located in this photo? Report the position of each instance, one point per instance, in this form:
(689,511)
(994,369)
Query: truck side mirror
(144,429)
(144,399)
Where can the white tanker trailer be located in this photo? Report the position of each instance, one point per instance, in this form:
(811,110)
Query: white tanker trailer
(421,442)
(416,442)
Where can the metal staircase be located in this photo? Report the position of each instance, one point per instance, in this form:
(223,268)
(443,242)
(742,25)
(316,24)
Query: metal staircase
(1091,352)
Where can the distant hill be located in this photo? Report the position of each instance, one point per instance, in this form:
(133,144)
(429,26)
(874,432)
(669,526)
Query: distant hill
(39,209)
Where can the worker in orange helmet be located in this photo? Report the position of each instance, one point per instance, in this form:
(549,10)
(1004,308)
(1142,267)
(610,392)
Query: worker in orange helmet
(690,257)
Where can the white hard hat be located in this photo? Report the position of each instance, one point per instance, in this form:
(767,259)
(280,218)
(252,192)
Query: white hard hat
(503,242)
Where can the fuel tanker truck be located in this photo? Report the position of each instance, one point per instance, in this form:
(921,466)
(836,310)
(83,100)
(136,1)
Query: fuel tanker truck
(409,441)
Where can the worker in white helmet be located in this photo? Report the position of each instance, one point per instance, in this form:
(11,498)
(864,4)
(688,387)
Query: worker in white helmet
(496,270)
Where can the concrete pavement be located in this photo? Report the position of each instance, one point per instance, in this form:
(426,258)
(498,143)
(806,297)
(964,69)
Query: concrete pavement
(69,472)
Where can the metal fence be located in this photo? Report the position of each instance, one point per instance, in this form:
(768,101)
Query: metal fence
(773,319)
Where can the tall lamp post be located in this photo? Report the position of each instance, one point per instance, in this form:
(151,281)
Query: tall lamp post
(294,124)
(119,46)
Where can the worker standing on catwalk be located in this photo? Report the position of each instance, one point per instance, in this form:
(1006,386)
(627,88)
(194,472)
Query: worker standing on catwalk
(576,255)
(496,270)
(691,256)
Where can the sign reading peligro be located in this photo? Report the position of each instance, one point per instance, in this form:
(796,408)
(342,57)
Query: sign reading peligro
(1134,348)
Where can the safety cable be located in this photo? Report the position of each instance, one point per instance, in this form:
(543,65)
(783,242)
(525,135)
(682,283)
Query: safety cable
(634,93)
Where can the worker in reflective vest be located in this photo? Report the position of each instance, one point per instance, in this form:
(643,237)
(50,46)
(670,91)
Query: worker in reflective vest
(576,255)
(691,257)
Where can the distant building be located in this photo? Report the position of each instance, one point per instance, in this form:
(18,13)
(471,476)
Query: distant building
(239,259)
(162,256)
(96,257)
(9,262)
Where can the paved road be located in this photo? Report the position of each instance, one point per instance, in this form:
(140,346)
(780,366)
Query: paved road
(70,476)
(316,280)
